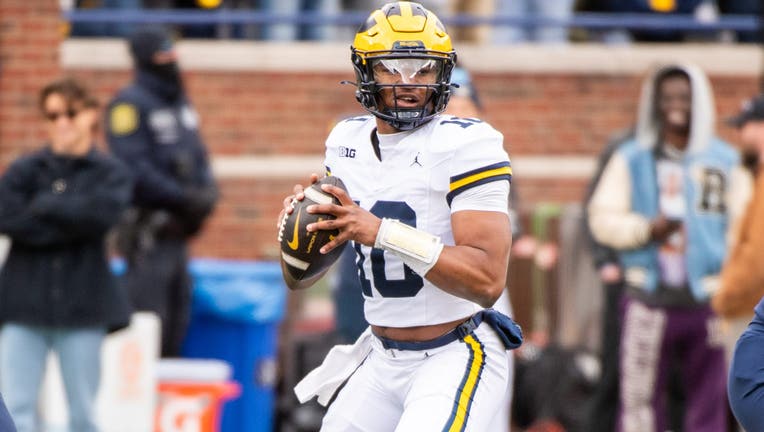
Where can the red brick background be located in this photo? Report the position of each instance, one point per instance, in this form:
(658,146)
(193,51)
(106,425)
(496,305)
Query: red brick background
(274,113)
(30,32)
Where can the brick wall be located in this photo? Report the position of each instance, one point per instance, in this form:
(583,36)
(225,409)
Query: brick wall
(30,33)
(274,113)
(269,112)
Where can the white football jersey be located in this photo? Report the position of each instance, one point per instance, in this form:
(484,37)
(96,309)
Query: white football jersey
(420,174)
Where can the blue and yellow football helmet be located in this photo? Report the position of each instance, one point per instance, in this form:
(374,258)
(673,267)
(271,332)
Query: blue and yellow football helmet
(405,41)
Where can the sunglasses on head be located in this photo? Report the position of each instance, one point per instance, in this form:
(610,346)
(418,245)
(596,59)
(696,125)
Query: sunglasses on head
(53,116)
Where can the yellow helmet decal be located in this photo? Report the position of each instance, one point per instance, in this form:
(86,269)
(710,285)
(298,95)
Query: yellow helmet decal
(398,26)
(407,21)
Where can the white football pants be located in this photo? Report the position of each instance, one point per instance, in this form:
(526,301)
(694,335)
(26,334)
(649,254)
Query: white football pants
(457,387)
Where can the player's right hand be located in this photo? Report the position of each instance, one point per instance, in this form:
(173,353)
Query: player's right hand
(297,195)
(352,221)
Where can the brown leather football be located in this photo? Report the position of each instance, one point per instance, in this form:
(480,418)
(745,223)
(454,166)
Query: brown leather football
(299,248)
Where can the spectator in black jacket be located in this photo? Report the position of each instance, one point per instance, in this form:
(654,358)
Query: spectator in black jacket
(56,288)
(153,127)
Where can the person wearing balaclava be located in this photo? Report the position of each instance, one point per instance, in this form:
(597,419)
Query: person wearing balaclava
(156,63)
(152,126)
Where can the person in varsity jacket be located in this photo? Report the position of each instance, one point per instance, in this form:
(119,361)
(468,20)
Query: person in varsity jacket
(666,202)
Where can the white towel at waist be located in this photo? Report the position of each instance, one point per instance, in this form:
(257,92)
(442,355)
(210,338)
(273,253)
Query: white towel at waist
(339,364)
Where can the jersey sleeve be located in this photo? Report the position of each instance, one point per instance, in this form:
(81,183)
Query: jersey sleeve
(479,160)
(345,130)
(491,196)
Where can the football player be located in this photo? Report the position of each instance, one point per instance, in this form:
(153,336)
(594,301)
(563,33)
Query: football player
(426,210)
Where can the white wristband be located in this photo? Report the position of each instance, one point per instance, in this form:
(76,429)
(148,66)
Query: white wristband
(417,249)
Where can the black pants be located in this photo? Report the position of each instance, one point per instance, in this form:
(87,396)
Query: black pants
(158,281)
(604,404)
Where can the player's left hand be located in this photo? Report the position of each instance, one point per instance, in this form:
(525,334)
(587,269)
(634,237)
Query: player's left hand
(352,221)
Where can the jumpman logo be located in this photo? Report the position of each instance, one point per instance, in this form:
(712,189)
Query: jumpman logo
(416,160)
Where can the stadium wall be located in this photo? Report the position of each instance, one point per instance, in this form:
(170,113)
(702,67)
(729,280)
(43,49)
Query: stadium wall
(266,108)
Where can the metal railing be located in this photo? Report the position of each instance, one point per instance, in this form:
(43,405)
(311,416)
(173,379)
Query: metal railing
(591,21)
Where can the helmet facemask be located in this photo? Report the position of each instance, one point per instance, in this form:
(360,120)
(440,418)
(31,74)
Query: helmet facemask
(404,88)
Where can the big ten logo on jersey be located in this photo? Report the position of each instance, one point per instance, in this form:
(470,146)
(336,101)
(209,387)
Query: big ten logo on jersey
(713,188)
(347,152)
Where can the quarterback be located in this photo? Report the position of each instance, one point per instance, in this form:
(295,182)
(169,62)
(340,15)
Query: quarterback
(426,210)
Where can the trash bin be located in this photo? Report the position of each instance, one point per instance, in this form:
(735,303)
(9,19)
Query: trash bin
(236,309)
(191,394)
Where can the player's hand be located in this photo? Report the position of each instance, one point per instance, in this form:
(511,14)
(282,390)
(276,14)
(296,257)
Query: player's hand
(297,195)
(661,228)
(353,222)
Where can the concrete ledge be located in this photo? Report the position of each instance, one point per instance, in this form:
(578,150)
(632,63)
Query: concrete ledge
(239,56)
(300,166)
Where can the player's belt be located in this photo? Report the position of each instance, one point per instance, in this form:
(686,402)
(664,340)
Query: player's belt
(458,333)
(506,329)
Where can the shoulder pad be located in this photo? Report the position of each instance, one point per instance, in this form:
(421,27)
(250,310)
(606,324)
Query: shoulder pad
(360,119)
(350,128)
(454,132)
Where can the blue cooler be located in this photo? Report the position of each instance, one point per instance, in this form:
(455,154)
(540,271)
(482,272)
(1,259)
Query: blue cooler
(237,307)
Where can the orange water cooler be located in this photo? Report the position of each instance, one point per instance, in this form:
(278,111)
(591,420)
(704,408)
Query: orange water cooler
(185,405)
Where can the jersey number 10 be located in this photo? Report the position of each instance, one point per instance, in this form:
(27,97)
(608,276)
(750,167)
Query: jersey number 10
(410,285)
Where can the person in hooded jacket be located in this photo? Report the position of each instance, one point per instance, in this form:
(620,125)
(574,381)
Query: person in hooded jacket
(152,126)
(666,201)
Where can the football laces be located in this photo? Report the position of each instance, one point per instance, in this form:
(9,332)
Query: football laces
(282,224)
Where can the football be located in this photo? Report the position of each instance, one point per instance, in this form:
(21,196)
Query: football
(300,248)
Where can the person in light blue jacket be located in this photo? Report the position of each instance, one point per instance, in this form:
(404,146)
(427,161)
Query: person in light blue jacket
(666,201)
